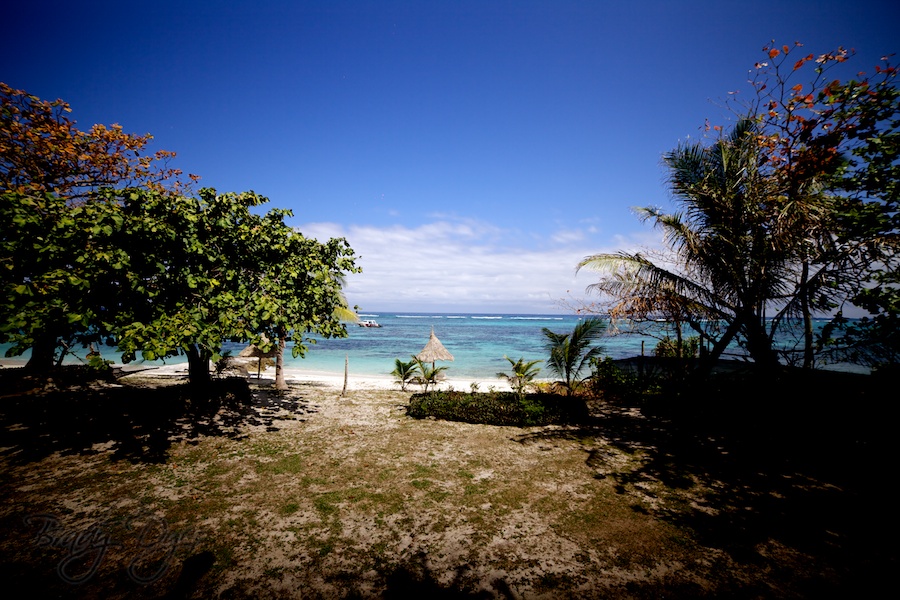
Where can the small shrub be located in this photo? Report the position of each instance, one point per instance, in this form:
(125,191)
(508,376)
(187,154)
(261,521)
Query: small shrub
(669,348)
(497,408)
(609,378)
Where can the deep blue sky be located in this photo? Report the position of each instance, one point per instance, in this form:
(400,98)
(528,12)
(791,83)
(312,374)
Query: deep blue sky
(471,152)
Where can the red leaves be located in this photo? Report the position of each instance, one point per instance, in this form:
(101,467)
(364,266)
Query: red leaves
(802,61)
(831,88)
(774,52)
(44,150)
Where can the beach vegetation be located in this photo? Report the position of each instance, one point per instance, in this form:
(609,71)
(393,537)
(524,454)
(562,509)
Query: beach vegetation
(790,213)
(571,353)
(215,270)
(404,373)
(210,268)
(55,226)
(522,375)
(427,374)
(683,348)
(497,408)
(614,381)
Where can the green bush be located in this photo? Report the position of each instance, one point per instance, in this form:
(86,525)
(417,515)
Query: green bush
(607,377)
(668,348)
(497,408)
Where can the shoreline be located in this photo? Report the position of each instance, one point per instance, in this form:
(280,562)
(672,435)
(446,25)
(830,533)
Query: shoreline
(328,379)
(325,379)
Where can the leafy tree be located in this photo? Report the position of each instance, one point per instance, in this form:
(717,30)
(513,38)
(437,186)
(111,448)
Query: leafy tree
(300,293)
(787,215)
(831,150)
(59,269)
(42,150)
(725,265)
(188,290)
(216,271)
(571,352)
(404,372)
(58,253)
(209,268)
(523,374)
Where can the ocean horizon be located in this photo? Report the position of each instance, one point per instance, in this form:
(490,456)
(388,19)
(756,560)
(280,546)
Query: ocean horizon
(478,342)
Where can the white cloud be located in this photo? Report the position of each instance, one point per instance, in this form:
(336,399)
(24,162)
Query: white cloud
(568,236)
(463,265)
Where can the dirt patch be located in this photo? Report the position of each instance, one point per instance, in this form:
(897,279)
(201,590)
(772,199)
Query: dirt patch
(310,495)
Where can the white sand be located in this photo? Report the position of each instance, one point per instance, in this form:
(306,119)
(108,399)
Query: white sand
(329,380)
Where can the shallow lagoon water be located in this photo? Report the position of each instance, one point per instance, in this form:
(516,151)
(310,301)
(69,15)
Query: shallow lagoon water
(478,343)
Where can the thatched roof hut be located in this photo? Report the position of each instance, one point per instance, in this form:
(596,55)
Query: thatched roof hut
(434,350)
(254,351)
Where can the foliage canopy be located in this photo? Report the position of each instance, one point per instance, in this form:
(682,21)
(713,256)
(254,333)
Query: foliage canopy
(790,213)
(87,257)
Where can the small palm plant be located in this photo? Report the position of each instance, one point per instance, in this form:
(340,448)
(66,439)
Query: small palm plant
(428,374)
(404,372)
(522,376)
(571,352)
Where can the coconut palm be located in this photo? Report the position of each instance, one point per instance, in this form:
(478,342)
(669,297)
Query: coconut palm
(428,373)
(730,261)
(571,352)
(404,372)
(523,374)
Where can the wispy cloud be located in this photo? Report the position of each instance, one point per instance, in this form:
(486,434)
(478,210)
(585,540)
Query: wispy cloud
(464,265)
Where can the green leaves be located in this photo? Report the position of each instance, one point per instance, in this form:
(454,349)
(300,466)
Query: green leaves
(570,353)
(161,273)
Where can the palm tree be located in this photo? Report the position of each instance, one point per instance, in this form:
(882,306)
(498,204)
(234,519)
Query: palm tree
(571,352)
(523,374)
(428,374)
(731,262)
(404,372)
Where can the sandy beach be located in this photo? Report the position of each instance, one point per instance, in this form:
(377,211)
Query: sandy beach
(325,379)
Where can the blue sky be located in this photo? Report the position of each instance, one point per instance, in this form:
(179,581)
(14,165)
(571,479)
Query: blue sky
(471,152)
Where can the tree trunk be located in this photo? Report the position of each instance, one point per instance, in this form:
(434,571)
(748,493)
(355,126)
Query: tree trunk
(198,367)
(759,346)
(679,340)
(280,383)
(808,359)
(711,358)
(42,353)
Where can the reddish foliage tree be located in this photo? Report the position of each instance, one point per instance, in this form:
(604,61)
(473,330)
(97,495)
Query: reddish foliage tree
(42,150)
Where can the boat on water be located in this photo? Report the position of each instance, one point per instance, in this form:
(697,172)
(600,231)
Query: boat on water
(369,323)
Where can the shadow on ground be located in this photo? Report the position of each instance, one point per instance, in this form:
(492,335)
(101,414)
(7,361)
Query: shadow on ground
(137,423)
(792,474)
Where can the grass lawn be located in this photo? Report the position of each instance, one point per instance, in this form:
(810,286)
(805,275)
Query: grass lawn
(131,490)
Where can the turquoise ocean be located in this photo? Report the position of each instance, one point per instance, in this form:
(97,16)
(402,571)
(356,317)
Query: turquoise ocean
(478,343)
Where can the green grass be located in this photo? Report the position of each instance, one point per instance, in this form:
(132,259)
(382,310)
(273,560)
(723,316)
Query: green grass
(291,463)
(290,508)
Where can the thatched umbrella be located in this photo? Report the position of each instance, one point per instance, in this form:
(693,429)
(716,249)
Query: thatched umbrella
(434,350)
(254,351)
